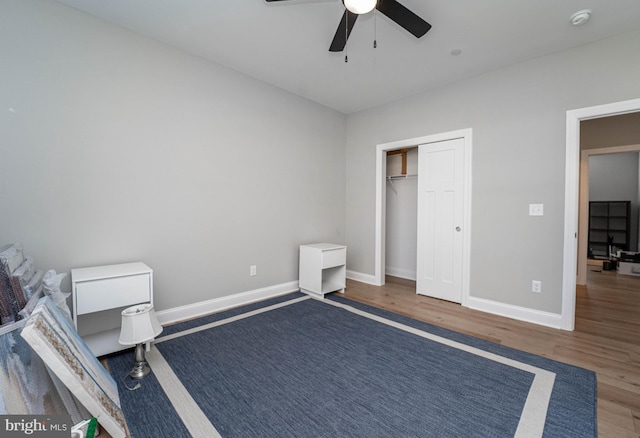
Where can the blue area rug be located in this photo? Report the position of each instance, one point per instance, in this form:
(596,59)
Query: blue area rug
(312,369)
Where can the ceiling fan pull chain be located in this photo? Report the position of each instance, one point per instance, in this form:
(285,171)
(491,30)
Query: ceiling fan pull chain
(375,28)
(346,37)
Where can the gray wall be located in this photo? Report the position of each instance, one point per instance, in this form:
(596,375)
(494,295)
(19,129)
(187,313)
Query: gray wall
(518,117)
(116,148)
(614,177)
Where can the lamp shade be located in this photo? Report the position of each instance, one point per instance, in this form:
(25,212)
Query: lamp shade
(139,325)
(360,6)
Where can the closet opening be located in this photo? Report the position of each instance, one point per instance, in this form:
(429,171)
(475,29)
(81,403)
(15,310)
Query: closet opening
(401,215)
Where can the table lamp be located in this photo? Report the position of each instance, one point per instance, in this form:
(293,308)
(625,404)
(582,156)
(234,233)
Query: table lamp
(139,325)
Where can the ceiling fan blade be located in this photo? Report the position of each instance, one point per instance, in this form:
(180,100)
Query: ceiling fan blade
(341,36)
(404,17)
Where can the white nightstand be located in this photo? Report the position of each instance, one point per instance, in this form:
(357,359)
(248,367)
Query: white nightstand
(322,268)
(99,295)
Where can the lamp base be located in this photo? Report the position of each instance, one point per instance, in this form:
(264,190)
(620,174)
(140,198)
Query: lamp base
(141,368)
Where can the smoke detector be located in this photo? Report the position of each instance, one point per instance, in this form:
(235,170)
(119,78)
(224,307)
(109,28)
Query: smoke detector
(581,17)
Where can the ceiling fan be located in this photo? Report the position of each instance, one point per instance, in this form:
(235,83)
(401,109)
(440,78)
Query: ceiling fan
(391,8)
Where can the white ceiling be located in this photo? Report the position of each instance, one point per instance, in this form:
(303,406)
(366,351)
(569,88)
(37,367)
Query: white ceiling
(286,43)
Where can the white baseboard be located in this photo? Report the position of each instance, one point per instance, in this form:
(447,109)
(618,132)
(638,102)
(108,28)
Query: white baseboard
(401,273)
(202,308)
(362,278)
(539,317)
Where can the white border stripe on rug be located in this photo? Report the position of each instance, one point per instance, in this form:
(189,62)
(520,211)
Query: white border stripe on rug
(188,410)
(534,412)
(228,320)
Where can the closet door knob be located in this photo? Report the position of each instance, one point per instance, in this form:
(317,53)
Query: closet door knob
(458,229)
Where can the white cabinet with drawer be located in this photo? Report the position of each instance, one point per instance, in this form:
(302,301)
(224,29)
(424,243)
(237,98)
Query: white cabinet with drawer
(99,295)
(322,268)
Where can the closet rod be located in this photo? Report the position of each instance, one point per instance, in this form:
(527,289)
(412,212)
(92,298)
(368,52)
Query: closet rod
(392,177)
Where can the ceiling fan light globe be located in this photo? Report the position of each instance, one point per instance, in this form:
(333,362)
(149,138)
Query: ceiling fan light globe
(360,6)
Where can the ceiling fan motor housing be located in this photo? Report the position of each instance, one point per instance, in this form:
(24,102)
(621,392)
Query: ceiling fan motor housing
(360,6)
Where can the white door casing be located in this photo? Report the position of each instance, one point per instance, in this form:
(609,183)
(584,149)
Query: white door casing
(440,219)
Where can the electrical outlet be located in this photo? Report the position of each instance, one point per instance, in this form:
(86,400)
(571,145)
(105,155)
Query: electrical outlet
(536,286)
(252,270)
(536,209)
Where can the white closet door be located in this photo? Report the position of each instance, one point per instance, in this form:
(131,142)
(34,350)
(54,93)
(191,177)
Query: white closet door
(440,219)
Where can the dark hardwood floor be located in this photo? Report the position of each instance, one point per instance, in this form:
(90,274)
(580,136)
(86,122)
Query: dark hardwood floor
(606,339)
